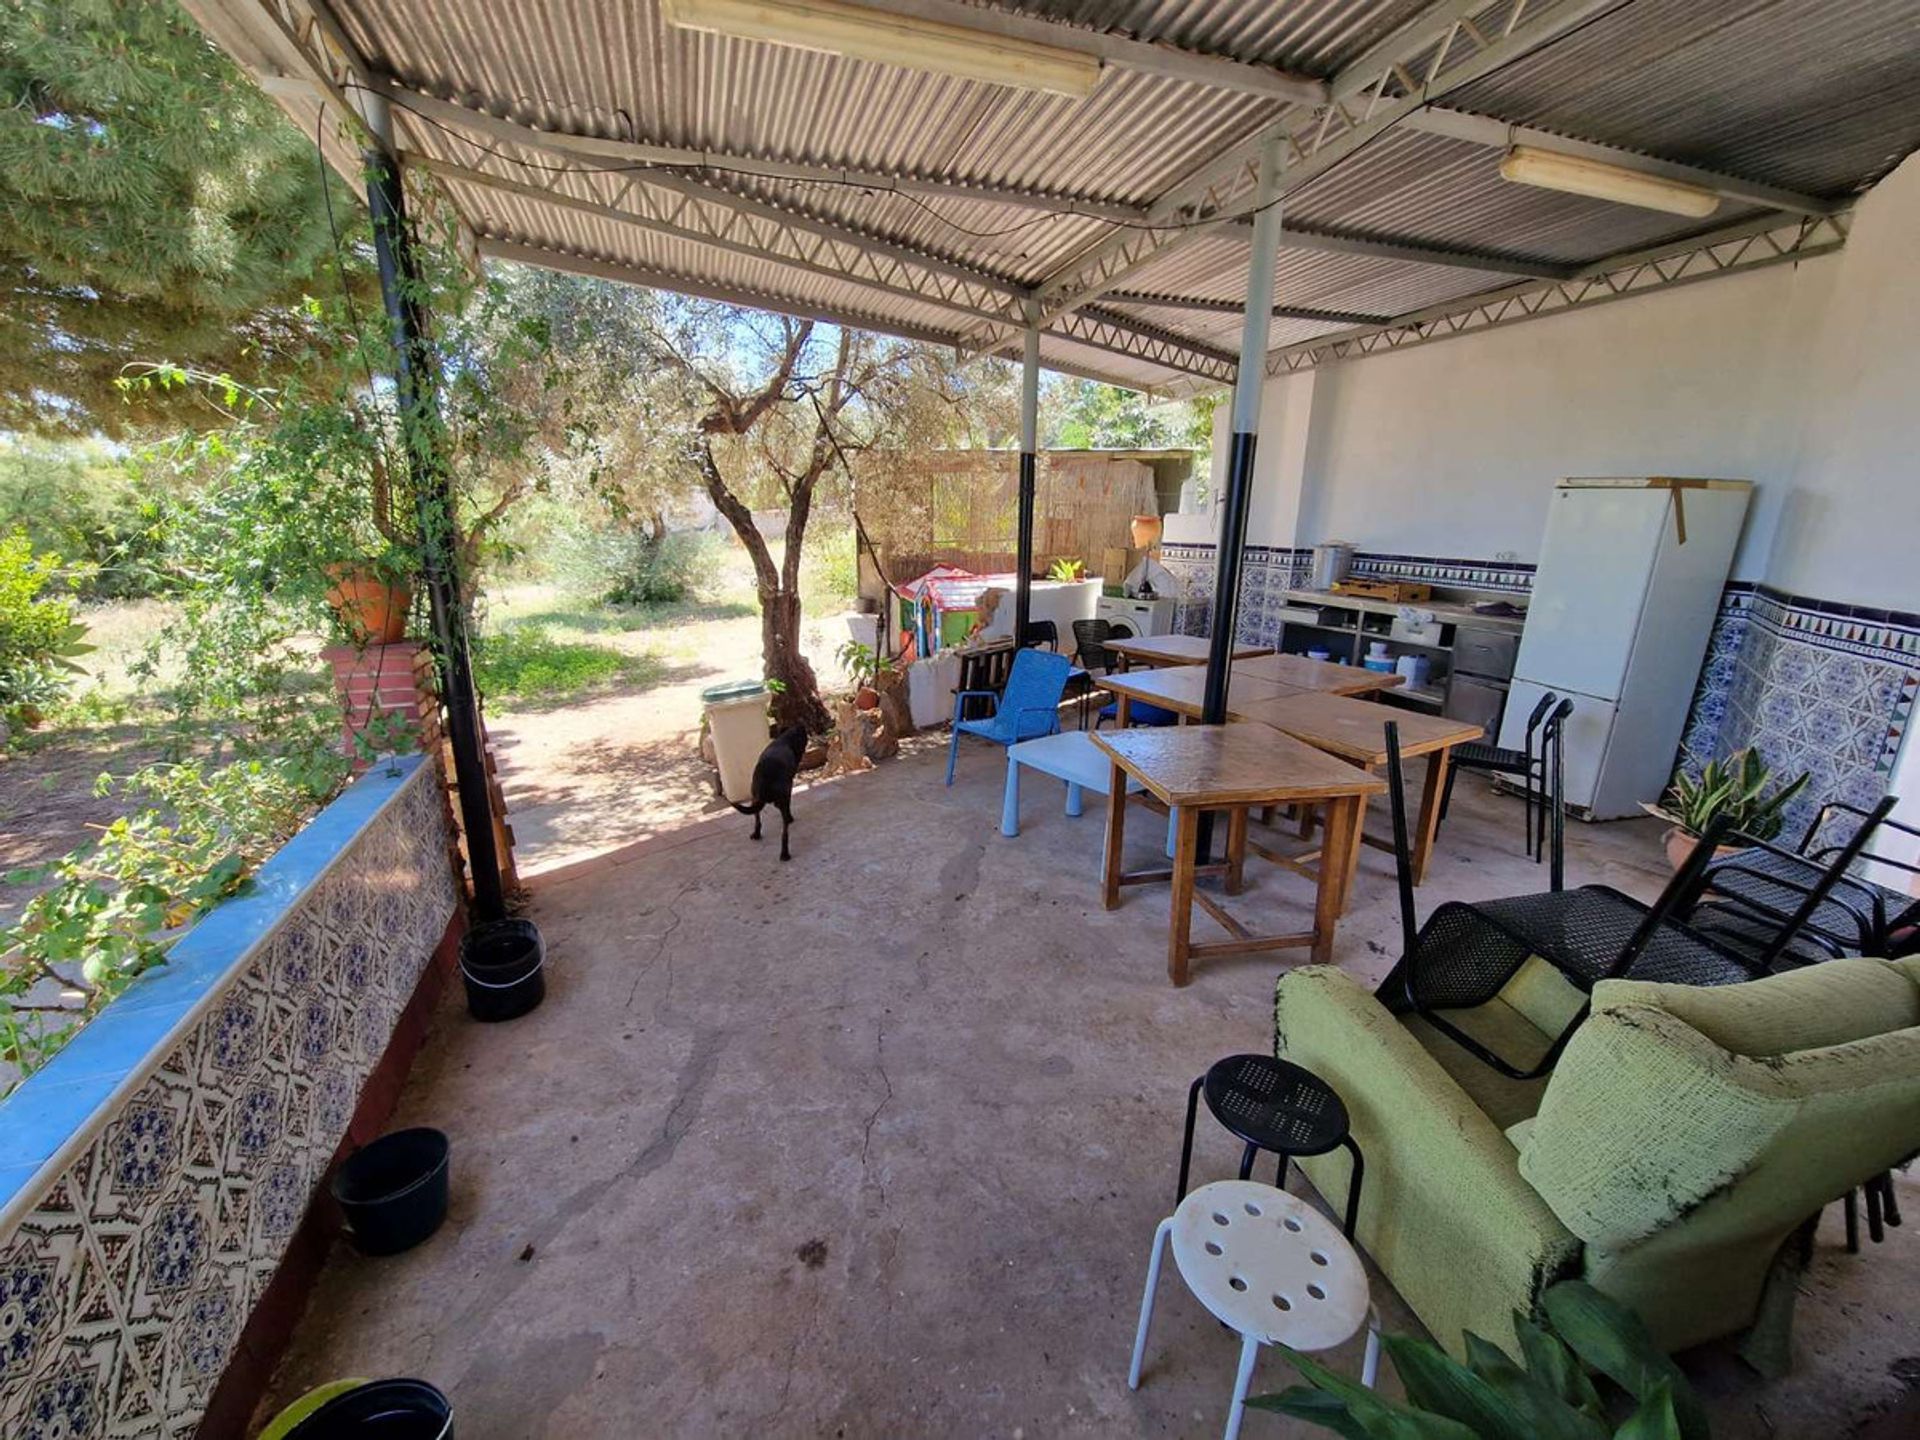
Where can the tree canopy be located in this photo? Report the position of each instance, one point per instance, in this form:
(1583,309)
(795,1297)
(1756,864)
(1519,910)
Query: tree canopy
(153,205)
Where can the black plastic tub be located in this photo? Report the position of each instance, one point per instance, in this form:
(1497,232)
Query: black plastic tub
(503,964)
(381,1410)
(394,1191)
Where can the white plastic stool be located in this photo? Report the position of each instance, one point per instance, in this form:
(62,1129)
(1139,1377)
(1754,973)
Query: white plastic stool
(1270,1267)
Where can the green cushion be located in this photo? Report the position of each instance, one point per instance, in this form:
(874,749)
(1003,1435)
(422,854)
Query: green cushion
(1808,1009)
(1508,1034)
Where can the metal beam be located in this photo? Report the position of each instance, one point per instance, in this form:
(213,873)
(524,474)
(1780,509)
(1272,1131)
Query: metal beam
(1238,307)
(1169,62)
(1499,135)
(1418,254)
(599,149)
(1437,53)
(1029,464)
(1772,240)
(524,252)
(737,225)
(668,205)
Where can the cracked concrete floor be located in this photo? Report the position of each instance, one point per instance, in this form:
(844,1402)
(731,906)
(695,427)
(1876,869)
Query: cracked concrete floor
(873,1143)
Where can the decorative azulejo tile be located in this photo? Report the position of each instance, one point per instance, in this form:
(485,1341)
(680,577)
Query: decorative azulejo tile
(127,1272)
(1815,686)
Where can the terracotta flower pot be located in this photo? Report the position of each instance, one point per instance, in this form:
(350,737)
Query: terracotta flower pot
(1680,845)
(1146,531)
(371,611)
(867,698)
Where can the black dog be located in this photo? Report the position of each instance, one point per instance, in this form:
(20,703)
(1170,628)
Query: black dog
(773,776)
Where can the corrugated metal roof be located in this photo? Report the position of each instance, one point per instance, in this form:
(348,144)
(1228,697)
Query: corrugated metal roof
(1821,96)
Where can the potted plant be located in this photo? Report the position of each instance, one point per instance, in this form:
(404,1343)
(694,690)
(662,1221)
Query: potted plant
(1740,788)
(371,597)
(1545,1390)
(864,668)
(1067,572)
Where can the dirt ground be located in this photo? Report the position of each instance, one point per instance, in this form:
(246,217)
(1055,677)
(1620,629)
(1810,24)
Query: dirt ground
(590,775)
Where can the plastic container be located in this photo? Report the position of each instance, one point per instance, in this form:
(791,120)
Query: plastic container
(503,965)
(1331,562)
(394,1192)
(737,720)
(1319,654)
(380,1410)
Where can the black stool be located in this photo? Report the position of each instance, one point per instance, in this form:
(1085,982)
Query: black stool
(1271,1105)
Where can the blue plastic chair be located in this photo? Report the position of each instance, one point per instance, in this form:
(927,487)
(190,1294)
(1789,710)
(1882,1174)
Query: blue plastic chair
(1026,709)
(1141,713)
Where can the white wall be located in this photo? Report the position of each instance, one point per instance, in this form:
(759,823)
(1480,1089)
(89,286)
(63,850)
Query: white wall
(1850,526)
(1279,465)
(1803,378)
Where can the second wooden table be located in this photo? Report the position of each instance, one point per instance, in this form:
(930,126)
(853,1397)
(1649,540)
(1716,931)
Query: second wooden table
(1235,768)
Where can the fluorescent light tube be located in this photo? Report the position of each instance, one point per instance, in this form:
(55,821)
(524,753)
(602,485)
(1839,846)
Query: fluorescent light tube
(1576,176)
(860,33)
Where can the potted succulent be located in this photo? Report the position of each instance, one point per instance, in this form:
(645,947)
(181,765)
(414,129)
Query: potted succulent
(1067,572)
(1740,788)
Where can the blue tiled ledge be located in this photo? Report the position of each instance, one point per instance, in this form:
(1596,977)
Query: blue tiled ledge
(53,1114)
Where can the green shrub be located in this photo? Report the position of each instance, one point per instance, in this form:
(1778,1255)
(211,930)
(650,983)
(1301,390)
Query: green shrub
(644,571)
(39,637)
(526,663)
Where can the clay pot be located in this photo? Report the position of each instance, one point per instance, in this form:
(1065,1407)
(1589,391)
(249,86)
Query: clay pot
(371,611)
(866,698)
(1146,531)
(1680,845)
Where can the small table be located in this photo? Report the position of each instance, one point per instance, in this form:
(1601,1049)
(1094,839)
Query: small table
(1269,1267)
(1070,756)
(1357,731)
(1235,768)
(1274,1105)
(1175,649)
(1182,689)
(1301,673)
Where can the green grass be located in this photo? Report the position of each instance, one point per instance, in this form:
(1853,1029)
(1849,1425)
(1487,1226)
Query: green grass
(528,664)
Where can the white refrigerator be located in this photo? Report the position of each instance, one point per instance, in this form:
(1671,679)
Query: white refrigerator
(1624,598)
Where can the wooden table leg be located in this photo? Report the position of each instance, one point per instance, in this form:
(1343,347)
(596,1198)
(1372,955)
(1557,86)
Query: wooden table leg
(1345,860)
(1236,848)
(1116,833)
(1180,924)
(1343,822)
(1428,824)
(1122,712)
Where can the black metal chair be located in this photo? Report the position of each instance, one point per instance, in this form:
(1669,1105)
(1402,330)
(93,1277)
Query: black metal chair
(1466,953)
(1528,763)
(1764,881)
(1041,632)
(1090,645)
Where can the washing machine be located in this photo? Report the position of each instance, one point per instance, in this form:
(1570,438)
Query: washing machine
(1129,616)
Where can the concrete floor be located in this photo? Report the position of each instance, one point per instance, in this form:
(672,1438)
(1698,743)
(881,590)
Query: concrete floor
(873,1144)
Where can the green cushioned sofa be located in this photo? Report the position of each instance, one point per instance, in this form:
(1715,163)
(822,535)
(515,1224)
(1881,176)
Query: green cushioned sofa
(1684,1137)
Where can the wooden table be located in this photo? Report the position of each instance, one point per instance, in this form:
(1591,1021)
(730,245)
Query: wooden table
(1235,768)
(1323,675)
(1176,649)
(1181,689)
(1355,730)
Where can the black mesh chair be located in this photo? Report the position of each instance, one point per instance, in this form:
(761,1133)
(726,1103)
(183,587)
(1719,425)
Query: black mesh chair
(1529,763)
(1748,897)
(1466,954)
(1763,881)
(1090,645)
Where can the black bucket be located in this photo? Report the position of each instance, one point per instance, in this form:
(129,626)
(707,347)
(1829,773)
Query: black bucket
(503,963)
(394,1191)
(381,1410)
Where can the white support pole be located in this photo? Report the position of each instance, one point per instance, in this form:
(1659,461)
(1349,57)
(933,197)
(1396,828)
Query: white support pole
(1247,385)
(1029,462)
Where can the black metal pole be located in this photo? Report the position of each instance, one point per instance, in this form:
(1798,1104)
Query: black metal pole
(1029,464)
(414,380)
(1226,576)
